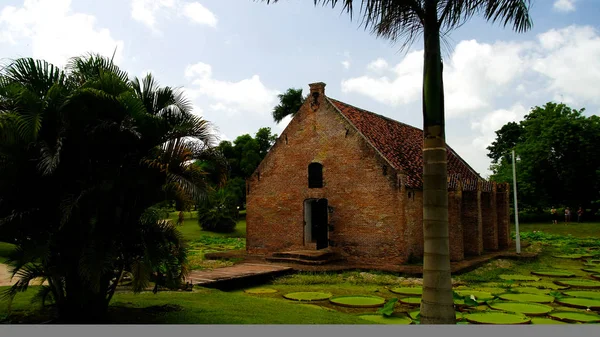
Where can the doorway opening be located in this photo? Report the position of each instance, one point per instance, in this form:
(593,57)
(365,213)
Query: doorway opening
(316,229)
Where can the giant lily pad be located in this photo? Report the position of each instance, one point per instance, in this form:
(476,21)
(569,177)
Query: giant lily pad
(531,298)
(596,276)
(386,320)
(594,262)
(308,296)
(479,295)
(592,270)
(494,291)
(579,283)
(547,285)
(583,293)
(492,317)
(517,277)
(358,301)
(553,273)
(532,309)
(575,317)
(579,302)
(531,290)
(410,300)
(412,291)
(543,320)
(260,291)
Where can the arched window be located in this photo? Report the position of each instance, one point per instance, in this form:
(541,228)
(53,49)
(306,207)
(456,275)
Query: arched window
(315,175)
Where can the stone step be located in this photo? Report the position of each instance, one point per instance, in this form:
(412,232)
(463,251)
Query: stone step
(302,261)
(306,255)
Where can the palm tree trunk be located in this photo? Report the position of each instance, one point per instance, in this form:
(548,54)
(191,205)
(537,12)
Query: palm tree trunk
(437,305)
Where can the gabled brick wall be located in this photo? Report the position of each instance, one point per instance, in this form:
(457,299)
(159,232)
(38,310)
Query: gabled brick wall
(376,208)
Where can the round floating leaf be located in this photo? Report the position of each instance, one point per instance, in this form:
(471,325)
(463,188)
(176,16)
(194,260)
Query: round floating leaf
(531,290)
(493,291)
(579,302)
(553,273)
(492,317)
(358,301)
(547,285)
(260,291)
(593,261)
(532,298)
(543,320)
(308,296)
(569,256)
(592,270)
(532,309)
(575,317)
(479,295)
(596,276)
(407,291)
(410,300)
(386,320)
(584,294)
(579,283)
(518,277)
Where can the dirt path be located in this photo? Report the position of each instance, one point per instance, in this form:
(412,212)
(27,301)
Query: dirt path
(4,275)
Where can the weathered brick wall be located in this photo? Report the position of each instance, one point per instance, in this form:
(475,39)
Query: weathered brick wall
(472,222)
(413,231)
(367,219)
(489,220)
(503,215)
(455,227)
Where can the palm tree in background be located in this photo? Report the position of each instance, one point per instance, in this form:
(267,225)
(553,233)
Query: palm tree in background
(406,20)
(289,103)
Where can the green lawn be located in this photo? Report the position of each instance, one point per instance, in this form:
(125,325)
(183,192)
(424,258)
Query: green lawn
(192,231)
(5,249)
(580,230)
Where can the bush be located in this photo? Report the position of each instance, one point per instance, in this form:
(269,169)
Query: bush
(218,213)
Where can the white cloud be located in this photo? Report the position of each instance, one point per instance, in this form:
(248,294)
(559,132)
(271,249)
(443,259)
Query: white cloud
(54,32)
(405,88)
(564,5)
(560,63)
(491,122)
(146,12)
(199,14)
(246,95)
(378,65)
(346,64)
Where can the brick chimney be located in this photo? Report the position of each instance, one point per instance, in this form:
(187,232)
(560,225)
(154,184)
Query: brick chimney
(317,87)
(317,92)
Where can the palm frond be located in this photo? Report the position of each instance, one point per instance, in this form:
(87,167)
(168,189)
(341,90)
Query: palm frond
(454,13)
(91,66)
(44,294)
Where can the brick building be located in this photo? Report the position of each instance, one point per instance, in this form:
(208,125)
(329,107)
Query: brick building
(345,179)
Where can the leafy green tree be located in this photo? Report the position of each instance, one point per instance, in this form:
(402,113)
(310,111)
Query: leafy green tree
(289,103)
(558,160)
(218,213)
(406,20)
(84,155)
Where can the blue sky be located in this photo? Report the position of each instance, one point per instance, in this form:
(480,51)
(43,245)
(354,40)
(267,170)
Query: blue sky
(234,56)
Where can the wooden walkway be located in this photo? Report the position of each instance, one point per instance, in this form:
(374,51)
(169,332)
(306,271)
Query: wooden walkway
(237,272)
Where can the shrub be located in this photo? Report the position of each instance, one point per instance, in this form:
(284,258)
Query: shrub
(218,213)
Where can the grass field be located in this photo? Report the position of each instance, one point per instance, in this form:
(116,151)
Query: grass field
(211,306)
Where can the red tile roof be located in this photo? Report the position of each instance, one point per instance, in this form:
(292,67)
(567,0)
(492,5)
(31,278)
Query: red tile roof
(402,146)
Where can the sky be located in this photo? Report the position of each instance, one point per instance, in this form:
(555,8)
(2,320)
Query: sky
(233,57)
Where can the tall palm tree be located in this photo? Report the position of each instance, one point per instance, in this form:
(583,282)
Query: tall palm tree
(406,20)
(87,153)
